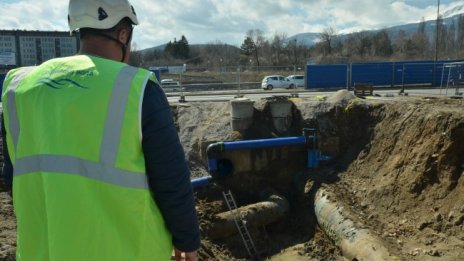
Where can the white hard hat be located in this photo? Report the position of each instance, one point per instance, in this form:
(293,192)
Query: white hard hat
(99,14)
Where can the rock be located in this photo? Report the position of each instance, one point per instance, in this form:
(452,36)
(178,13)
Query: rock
(459,221)
(423,225)
(438,217)
(415,251)
(428,242)
(433,252)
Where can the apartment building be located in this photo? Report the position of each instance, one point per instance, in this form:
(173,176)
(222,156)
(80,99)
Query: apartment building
(25,48)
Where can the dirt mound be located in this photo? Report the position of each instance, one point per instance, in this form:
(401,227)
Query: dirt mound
(407,180)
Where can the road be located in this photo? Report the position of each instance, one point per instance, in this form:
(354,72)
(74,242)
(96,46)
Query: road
(257,94)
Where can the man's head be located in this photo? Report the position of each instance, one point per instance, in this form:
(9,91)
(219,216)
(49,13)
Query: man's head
(103,20)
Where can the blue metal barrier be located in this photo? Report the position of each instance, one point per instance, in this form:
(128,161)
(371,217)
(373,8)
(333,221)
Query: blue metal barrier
(381,74)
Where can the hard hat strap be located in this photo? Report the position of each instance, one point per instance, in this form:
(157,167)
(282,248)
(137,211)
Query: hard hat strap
(123,45)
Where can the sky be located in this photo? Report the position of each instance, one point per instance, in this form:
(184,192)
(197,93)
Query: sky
(227,21)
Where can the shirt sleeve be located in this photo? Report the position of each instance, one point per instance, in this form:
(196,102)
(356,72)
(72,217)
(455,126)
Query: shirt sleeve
(7,168)
(167,170)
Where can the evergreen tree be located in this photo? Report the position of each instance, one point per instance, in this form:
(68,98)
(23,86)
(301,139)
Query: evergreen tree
(178,49)
(248,47)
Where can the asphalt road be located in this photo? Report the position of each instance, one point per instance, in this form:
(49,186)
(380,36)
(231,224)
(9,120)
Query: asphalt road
(259,94)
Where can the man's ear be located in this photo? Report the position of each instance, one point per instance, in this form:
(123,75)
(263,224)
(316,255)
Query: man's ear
(123,35)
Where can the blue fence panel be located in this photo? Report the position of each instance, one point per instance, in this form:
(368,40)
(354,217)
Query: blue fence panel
(384,73)
(375,73)
(452,74)
(398,73)
(326,76)
(419,73)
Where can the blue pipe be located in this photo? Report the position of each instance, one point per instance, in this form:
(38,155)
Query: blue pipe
(264,143)
(220,168)
(203,181)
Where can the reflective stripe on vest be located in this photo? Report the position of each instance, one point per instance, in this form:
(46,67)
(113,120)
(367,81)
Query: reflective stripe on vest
(103,170)
(11,101)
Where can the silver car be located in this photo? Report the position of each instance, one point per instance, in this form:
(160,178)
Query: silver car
(276,81)
(298,80)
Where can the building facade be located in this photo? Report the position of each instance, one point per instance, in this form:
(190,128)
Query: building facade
(25,48)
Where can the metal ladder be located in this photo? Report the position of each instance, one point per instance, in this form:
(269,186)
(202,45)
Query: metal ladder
(240,223)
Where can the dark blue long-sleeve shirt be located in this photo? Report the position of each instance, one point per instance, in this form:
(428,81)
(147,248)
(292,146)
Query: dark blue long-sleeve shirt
(167,170)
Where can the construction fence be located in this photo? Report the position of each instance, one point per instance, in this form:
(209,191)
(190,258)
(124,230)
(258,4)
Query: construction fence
(385,74)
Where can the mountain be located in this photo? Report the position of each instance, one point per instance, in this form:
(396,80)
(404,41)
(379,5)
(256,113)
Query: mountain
(308,39)
(454,11)
(450,16)
(151,49)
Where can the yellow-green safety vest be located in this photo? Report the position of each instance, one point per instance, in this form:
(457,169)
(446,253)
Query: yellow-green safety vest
(80,190)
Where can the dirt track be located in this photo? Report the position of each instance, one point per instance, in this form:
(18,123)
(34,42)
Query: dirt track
(398,165)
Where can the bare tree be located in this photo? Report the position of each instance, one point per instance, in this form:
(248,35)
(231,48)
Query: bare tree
(400,41)
(277,46)
(135,56)
(460,34)
(257,37)
(326,38)
(382,45)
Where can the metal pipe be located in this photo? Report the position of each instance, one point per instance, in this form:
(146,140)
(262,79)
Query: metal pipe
(355,243)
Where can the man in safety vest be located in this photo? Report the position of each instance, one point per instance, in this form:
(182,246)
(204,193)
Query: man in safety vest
(91,152)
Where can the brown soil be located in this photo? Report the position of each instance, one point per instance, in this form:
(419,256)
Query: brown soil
(397,165)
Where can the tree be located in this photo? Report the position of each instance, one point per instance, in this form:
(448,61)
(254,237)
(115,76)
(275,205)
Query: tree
(400,42)
(277,48)
(326,38)
(183,50)
(178,49)
(363,43)
(135,58)
(258,41)
(460,33)
(381,44)
(247,49)
(419,42)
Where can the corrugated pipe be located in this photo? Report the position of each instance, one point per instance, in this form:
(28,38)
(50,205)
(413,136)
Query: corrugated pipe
(355,243)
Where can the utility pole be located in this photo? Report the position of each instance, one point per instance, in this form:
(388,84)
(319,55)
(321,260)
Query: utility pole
(437,29)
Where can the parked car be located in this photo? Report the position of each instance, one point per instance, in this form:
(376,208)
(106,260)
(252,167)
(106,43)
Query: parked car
(276,81)
(170,85)
(298,80)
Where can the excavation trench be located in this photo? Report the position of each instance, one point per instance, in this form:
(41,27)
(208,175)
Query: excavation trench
(271,152)
(392,160)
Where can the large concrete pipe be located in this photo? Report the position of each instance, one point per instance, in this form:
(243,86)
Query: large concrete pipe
(242,114)
(281,111)
(259,214)
(355,244)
